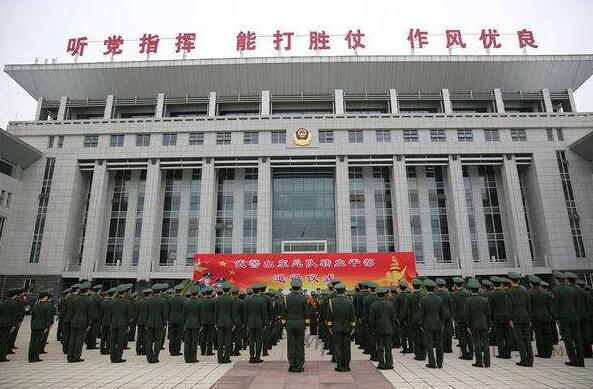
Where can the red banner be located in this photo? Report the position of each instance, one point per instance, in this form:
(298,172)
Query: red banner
(316,270)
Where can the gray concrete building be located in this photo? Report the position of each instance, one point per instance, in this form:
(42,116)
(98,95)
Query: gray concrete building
(479,164)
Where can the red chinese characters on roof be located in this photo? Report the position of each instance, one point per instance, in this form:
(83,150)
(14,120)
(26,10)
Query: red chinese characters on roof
(149,44)
(76,46)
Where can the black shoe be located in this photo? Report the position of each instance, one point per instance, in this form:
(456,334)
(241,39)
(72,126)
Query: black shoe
(300,369)
(502,357)
(430,366)
(340,370)
(120,361)
(209,354)
(10,352)
(4,360)
(477,365)
(520,364)
(292,369)
(36,360)
(265,354)
(258,360)
(418,359)
(251,360)
(346,369)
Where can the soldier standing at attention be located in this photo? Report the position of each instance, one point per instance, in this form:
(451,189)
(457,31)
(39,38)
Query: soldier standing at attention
(141,321)
(7,321)
(256,316)
(341,323)
(565,311)
(478,314)
(381,317)
(313,313)
(224,321)
(582,312)
(191,325)
(414,310)
(49,311)
(79,323)
(444,294)
(61,314)
(156,319)
(403,318)
(175,321)
(121,317)
(520,315)
(461,325)
(20,304)
(239,324)
(499,307)
(95,312)
(541,316)
(40,322)
(67,317)
(371,341)
(207,320)
(295,317)
(105,345)
(396,338)
(432,320)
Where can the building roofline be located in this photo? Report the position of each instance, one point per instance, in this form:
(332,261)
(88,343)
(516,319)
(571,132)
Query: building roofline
(17,152)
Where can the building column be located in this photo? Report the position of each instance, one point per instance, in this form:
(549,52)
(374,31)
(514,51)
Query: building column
(96,220)
(498,101)
(238,206)
(208,196)
(265,103)
(573,105)
(39,107)
(458,223)
(183,231)
(518,237)
(108,113)
(339,101)
(548,107)
(370,213)
(447,106)
(131,218)
(343,228)
(481,233)
(400,204)
(160,105)
(264,206)
(63,108)
(212,105)
(151,220)
(425,218)
(394,104)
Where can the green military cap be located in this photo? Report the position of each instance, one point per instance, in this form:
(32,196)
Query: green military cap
(473,284)
(340,286)
(207,290)
(430,283)
(249,290)
(218,290)
(330,285)
(403,284)
(580,282)
(179,287)
(416,282)
(533,279)
(297,282)
(372,284)
(226,286)
(559,275)
(393,288)
(441,282)
(195,289)
(486,282)
(381,290)
(505,280)
(335,281)
(496,279)
(147,291)
(85,285)
(98,287)
(75,286)
(544,284)
(571,275)
(235,289)
(514,275)
(458,280)
(165,285)
(156,286)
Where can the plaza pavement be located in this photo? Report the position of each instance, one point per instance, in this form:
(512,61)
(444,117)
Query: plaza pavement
(172,372)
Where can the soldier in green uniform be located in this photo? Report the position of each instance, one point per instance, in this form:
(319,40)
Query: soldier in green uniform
(370,346)
(341,323)
(583,313)
(499,307)
(191,325)
(105,344)
(565,311)
(295,318)
(40,323)
(20,304)
(520,310)
(444,294)
(121,317)
(461,320)
(175,304)
(381,316)
(156,319)
(141,321)
(257,316)
(95,317)
(432,321)
(414,315)
(59,330)
(358,301)
(396,338)
(313,313)
(478,314)
(239,324)
(49,311)
(207,321)
(7,321)
(67,317)
(224,320)
(79,323)
(403,317)
(134,299)
(541,316)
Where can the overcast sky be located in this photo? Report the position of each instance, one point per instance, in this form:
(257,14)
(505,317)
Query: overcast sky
(41,28)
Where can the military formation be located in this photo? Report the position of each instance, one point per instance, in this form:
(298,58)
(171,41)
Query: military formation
(421,318)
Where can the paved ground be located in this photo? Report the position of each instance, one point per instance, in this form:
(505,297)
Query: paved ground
(172,372)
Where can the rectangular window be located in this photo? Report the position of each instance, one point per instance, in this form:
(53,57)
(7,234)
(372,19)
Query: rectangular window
(116,140)
(90,141)
(560,134)
(383,136)
(465,136)
(139,218)
(60,141)
(143,140)
(410,136)
(50,142)
(194,215)
(355,136)
(357,220)
(250,211)
(415,220)
(196,138)
(8,199)
(223,138)
(383,209)
(438,136)
(2,196)
(571,206)
(550,135)
(518,135)
(491,135)
(169,139)
(250,138)
(48,175)
(170,225)
(492,214)
(437,202)
(223,241)
(326,136)
(279,137)
(119,213)
(471,216)
(2,223)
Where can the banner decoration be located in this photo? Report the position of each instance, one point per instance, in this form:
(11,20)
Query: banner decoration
(315,270)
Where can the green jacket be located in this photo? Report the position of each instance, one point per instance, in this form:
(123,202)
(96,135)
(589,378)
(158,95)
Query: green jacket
(565,304)
(191,313)
(176,310)
(520,306)
(121,313)
(478,312)
(367,304)
(20,305)
(7,313)
(458,305)
(142,312)
(541,304)
(445,295)
(49,309)
(80,313)
(67,308)
(341,314)
(382,317)
(414,307)
(156,312)
(239,311)
(39,317)
(207,310)
(582,303)
(96,301)
(499,306)
(223,311)
(295,310)
(256,312)
(431,312)
(402,305)
(106,312)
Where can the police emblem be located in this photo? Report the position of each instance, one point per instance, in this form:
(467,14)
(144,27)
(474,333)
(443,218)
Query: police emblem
(302,137)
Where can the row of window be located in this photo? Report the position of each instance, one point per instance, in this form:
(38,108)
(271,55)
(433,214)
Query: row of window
(325,136)
(5,199)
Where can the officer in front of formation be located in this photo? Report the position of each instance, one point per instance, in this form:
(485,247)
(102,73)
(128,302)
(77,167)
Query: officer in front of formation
(105,344)
(413,311)
(461,321)
(295,317)
(341,322)
(141,322)
(432,319)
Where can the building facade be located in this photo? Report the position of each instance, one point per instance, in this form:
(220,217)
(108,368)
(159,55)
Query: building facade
(465,160)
